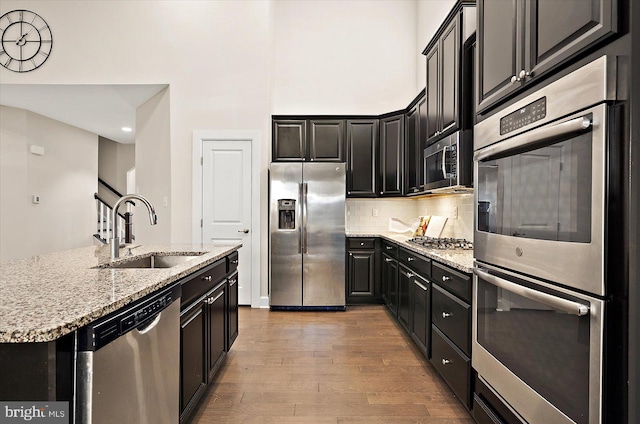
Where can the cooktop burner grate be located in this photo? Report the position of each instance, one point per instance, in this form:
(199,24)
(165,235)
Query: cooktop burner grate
(442,243)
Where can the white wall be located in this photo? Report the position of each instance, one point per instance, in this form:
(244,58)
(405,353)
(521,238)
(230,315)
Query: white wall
(343,57)
(431,14)
(65,178)
(153,169)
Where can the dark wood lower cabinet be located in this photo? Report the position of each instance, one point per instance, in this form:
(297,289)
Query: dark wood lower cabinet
(232,307)
(390,281)
(193,353)
(208,327)
(421,314)
(217,326)
(404,299)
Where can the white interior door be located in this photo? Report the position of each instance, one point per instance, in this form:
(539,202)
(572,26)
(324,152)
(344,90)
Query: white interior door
(226,202)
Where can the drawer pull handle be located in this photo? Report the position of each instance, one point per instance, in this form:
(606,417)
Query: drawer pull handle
(445,361)
(445,278)
(410,259)
(235,262)
(207,278)
(446,314)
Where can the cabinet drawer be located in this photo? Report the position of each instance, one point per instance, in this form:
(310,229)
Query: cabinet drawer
(232,262)
(453,365)
(390,249)
(452,317)
(419,263)
(482,413)
(453,281)
(361,243)
(201,281)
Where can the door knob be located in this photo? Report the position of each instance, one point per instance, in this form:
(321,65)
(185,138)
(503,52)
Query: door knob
(244,230)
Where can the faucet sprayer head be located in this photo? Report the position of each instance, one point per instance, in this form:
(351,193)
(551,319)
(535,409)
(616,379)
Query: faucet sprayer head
(153,218)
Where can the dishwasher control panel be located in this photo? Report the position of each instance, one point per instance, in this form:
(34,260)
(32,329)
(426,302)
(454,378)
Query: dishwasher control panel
(109,328)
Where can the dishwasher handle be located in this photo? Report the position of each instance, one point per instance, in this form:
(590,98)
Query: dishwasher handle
(145,328)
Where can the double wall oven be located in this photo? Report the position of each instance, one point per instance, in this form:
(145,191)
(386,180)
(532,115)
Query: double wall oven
(541,173)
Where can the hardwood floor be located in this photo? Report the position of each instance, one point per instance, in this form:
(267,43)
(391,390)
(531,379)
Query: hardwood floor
(326,367)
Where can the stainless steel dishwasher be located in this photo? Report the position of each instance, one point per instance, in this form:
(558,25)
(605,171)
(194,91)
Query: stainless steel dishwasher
(128,364)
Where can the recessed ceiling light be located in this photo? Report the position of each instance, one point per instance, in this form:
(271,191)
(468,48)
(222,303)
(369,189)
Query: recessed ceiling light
(127,129)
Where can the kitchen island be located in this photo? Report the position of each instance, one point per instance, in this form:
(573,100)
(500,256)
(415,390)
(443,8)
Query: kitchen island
(46,300)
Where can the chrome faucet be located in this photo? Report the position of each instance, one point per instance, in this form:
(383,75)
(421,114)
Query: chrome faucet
(115,240)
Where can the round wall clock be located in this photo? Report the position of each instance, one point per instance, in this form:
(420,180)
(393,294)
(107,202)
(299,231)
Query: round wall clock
(26,41)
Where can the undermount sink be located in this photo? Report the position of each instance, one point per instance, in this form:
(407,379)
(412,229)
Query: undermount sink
(153,261)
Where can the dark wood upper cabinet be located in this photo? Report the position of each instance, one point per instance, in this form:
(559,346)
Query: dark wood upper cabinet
(392,155)
(522,40)
(414,146)
(445,71)
(301,140)
(326,140)
(362,158)
(289,140)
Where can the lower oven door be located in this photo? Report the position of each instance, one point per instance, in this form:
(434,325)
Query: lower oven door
(538,346)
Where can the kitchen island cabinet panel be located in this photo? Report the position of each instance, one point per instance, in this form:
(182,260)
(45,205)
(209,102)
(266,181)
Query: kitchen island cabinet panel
(232,308)
(216,327)
(193,353)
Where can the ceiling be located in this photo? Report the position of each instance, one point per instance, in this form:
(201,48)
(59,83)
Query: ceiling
(100,109)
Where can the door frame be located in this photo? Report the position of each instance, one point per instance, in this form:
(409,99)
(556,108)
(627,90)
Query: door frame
(231,135)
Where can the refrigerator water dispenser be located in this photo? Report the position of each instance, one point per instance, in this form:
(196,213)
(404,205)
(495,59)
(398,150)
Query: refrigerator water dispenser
(286,214)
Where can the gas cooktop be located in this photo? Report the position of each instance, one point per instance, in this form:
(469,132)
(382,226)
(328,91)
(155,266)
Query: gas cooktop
(442,243)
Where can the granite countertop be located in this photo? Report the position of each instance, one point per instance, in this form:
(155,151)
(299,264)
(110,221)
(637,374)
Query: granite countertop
(47,296)
(461,260)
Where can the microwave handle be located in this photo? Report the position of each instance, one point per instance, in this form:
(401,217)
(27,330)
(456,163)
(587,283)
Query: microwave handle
(445,151)
(535,137)
(568,306)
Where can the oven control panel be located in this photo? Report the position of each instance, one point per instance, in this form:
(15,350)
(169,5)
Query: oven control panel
(524,116)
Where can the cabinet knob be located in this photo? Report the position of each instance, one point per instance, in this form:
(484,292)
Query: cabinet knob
(410,274)
(235,262)
(361,243)
(514,79)
(523,74)
(388,259)
(389,247)
(445,361)
(410,259)
(445,278)
(446,314)
(207,278)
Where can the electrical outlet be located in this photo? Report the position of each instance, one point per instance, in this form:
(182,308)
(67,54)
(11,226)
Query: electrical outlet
(374,212)
(454,212)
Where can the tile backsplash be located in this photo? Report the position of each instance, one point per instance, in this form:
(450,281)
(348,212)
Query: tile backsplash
(361,213)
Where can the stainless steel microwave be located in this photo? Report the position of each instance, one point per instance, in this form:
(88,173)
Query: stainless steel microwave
(448,164)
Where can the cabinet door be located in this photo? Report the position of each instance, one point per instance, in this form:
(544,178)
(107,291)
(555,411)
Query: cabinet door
(557,30)
(421,313)
(499,49)
(193,373)
(405,278)
(361,276)
(289,139)
(449,76)
(433,92)
(362,158)
(390,279)
(392,155)
(216,311)
(232,307)
(413,152)
(422,138)
(326,140)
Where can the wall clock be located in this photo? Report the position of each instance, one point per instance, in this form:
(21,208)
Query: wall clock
(26,41)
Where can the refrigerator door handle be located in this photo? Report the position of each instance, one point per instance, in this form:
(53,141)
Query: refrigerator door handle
(300,215)
(305,189)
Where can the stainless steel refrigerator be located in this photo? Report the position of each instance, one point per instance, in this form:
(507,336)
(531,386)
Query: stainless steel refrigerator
(306,235)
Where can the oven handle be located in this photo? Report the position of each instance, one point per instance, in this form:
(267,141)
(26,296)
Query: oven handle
(536,137)
(568,306)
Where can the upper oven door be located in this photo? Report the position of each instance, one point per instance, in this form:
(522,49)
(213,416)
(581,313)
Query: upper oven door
(540,200)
